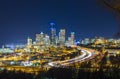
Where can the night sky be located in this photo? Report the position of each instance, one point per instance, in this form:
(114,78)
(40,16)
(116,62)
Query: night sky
(22,18)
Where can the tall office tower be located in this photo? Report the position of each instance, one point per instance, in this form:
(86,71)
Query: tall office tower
(62,37)
(56,40)
(29,41)
(41,38)
(37,39)
(72,38)
(41,35)
(47,40)
(68,42)
(53,33)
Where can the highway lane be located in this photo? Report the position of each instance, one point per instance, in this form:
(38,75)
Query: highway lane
(76,58)
(88,55)
(85,55)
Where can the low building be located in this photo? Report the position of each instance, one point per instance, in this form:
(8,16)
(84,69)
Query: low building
(6,50)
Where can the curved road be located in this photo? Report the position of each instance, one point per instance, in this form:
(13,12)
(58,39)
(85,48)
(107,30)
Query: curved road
(85,55)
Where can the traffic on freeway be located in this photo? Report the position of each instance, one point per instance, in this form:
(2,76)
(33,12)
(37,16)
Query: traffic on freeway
(85,55)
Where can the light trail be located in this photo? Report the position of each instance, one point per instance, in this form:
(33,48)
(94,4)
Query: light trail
(81,56)
(85,55)
(80,59)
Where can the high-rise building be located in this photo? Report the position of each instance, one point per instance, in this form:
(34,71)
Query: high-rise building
(37,39)
(53,33)
(56,40)
(72,38)
(41,35)
(41,38)
(29,41)
(47,40)
(62,37)
(68,42)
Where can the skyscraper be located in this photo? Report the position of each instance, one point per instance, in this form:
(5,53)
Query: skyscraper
(47,40)
(29,41)
(72,38)
(56,40)
(62,37)
(68,42)
(37,39)
(41,38)
(53,33)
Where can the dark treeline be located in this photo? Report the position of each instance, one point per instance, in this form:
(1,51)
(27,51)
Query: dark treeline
(65,73)
(5,74)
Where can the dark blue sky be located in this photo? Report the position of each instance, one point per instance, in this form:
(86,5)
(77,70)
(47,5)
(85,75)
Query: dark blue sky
(22,18)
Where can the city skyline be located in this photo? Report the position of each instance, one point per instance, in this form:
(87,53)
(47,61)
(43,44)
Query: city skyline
(59,39)
(20,19)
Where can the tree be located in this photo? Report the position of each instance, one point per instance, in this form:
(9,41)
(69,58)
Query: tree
(114,6)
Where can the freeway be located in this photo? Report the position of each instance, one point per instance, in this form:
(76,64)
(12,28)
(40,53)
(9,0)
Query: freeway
(88,55)
(76,58)
(85,55)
